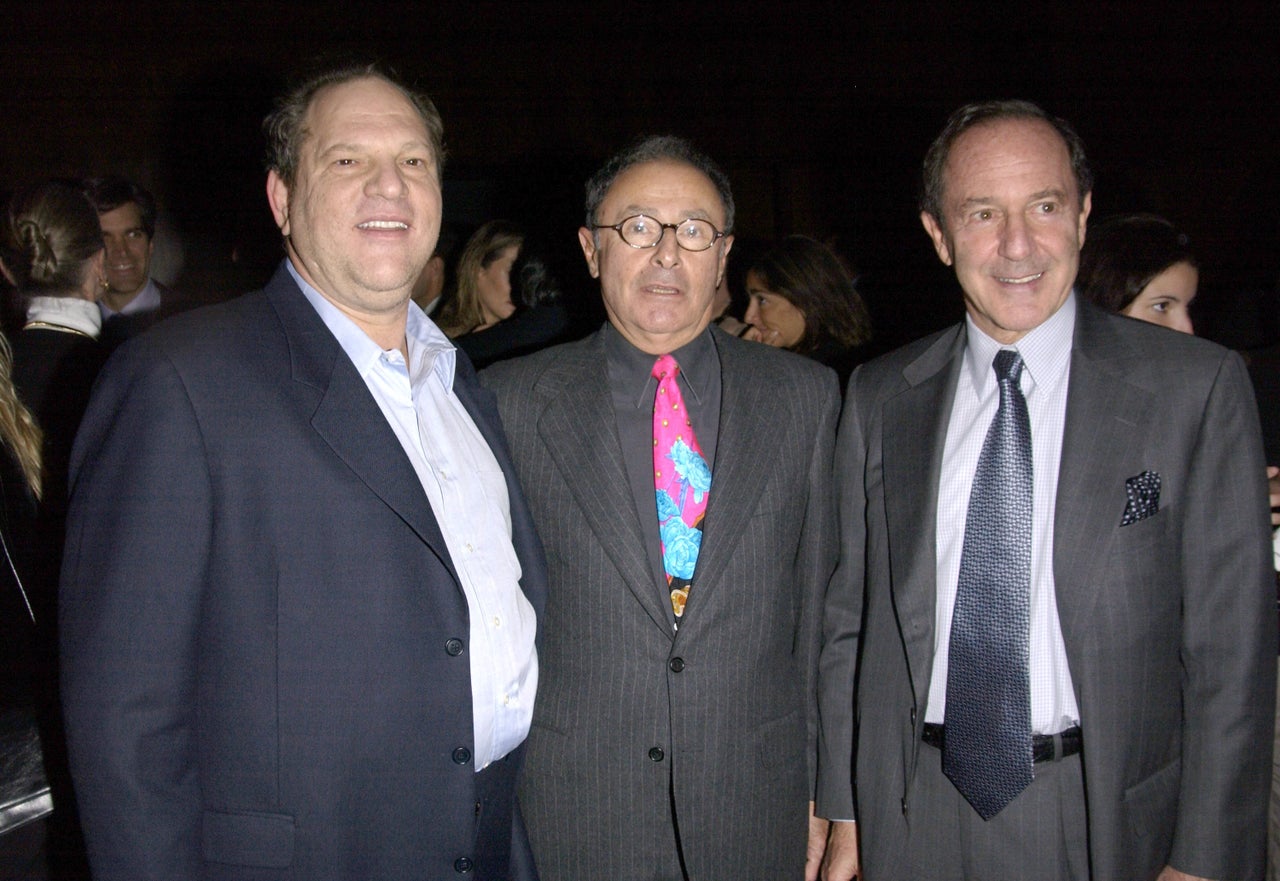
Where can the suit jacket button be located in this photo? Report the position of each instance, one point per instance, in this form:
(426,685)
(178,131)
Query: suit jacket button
(461,755)
(462,865)
(676,665)
(913,717)
(904,807)
(453,646)
(657,754)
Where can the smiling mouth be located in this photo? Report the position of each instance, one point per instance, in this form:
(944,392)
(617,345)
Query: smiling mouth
(383,224)
(1026,279)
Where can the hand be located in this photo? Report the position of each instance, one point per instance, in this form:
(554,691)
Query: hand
(1171,874)
(769,337)
(1273,487)
(817,845)
(840,861)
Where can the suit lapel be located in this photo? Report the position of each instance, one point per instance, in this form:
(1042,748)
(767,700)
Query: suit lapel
(348,418)
(581,433)
(749,434)
(914,433)
(1104,412)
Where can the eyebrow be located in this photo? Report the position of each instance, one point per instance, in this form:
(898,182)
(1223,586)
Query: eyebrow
(975,201)
(633,210)
(351,147)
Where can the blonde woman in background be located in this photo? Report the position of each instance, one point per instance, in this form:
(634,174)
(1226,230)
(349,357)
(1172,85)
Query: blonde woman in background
(482,296)
(22,846)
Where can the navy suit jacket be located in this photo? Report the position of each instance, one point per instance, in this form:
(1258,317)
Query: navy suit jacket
(266,669)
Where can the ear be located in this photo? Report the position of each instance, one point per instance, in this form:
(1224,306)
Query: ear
(724,259)
(587,239)
(1086,205)
(278,199)
(938,235)
(95,277)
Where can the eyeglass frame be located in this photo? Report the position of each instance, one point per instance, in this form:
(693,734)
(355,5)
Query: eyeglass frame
(663,227)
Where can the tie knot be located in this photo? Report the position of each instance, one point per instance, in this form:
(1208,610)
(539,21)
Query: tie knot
(1008,365)
(665,365)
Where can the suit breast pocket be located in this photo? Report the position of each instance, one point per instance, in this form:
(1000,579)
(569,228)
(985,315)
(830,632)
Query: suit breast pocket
(1141,535)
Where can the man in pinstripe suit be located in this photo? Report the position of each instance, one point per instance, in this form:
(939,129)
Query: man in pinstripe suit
(660,752)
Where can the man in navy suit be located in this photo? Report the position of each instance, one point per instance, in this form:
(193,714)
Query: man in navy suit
(301,584)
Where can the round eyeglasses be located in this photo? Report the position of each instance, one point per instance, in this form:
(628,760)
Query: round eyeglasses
(642,231)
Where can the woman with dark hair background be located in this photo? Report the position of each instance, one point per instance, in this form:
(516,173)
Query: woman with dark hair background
(802,298)
(1140,265)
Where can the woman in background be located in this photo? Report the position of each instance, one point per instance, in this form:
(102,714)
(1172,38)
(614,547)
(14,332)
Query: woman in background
(507,302)
(802,298)
(482,294)
(51,250)
(22,848)
(1141,266)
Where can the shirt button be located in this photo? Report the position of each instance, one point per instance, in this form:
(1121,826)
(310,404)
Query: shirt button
(461,755)
(453,647)
(506,700)
(462,865)
(676,664)
(471,549)
(656,754)
(497,621)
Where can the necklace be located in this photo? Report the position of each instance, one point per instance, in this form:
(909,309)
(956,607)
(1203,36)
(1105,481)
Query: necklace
(50,326)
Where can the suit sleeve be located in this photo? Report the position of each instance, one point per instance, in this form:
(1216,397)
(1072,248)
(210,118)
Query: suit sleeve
(1228,641)
(138,532)
(817,556)
(842,619)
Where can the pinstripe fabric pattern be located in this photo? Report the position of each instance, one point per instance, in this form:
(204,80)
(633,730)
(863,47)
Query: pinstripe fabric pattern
(1166,621)
(638,731)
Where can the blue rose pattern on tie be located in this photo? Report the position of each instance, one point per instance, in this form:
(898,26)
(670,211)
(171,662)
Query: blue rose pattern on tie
(682,482)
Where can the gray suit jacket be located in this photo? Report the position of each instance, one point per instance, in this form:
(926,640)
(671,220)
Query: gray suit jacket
(633,721)
(1168,621)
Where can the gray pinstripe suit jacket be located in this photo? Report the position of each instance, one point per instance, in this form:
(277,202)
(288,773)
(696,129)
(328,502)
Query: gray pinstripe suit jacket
(635,727)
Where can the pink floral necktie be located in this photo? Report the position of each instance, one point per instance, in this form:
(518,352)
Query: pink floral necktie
(682,480)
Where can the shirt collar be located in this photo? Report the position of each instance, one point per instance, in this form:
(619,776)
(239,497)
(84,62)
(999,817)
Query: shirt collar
(70,312)
(146,300)
(1045,350)
(429,349)
(634,368)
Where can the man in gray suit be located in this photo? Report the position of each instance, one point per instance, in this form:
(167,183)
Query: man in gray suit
(673,723)
(1139,701)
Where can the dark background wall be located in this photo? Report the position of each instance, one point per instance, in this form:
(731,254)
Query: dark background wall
(820,113)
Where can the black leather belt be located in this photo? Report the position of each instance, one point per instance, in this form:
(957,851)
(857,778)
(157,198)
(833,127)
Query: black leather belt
(1044,747)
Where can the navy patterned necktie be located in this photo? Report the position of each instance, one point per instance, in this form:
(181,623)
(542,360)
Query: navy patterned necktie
(987,750)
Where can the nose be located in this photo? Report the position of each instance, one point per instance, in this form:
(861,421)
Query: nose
(753,314)
(1185,324)
(1015,240)
(385,179)
(667,252)
(115,248)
